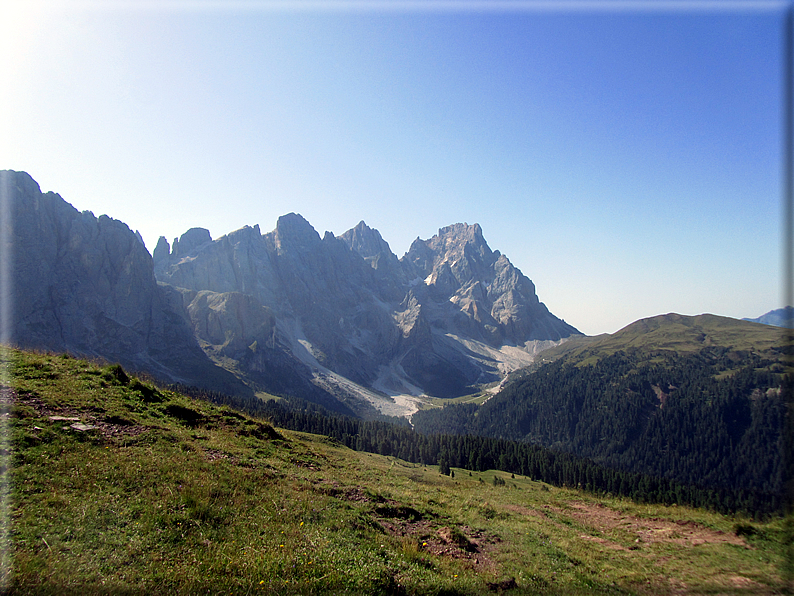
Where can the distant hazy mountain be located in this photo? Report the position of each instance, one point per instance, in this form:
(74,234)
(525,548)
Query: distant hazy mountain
(697,399)
(782,317)
(337,320)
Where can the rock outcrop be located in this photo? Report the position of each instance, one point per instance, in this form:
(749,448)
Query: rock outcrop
(85,285)
(498,303)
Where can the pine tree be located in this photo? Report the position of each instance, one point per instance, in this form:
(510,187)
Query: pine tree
(443,464)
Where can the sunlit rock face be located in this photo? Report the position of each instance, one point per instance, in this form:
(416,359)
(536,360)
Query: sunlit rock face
(488,298)
(435,321)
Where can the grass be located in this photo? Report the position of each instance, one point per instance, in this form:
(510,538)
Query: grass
(170,495)
(677,333)
(428,402)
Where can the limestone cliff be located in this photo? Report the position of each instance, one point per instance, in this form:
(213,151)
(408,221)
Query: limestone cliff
(449,315)
(86,285)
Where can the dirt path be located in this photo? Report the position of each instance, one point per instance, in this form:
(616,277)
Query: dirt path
(646,531)
(649,530)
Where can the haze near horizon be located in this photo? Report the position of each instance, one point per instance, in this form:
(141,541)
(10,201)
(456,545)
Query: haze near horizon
(627,157)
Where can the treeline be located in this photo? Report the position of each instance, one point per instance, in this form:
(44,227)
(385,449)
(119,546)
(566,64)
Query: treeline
(712,418)
(484,453)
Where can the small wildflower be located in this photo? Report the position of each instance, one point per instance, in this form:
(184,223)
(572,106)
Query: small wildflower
(261,582)
(301,523)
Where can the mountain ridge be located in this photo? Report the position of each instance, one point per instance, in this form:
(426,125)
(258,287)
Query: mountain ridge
(780,317)
(338,320)
(347,305)
(673,331)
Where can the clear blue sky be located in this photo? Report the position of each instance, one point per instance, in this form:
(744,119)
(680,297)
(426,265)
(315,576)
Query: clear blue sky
(627,157)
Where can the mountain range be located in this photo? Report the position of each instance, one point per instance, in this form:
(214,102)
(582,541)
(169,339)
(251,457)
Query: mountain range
(336,320)
(342,322)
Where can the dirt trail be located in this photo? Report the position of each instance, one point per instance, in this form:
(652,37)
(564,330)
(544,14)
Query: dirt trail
(649,530)
(646,531)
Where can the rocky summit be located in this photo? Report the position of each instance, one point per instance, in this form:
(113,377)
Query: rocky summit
(376,331)
(336,320)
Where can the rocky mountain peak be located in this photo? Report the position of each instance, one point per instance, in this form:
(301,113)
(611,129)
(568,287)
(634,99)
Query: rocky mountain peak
(457,252)
(462,232)
(162,251)
(294,233)
(190,241)
(21,183)
(455,238)
(364,240)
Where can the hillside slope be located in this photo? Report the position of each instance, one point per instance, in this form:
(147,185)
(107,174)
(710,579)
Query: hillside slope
(674,333)
(695,399)
(119,487)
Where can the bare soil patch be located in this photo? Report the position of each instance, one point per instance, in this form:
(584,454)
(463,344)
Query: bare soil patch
(110,427)
(430,535)
(649,530)
(460,542)
(456,542)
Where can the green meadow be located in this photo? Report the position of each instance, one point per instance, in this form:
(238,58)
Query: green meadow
(120,487)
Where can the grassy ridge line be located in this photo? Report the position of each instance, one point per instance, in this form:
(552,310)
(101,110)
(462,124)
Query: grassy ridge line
(709,414)
(171,495)
(673,332)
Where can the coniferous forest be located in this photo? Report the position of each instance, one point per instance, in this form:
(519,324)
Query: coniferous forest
(712,418)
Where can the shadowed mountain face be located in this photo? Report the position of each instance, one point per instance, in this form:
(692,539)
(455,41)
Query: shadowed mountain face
(86,285)
(337,320)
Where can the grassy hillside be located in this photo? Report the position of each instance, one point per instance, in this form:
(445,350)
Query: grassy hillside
(122,488)
(673,332)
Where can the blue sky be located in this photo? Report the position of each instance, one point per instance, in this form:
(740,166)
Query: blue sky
(627,157)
